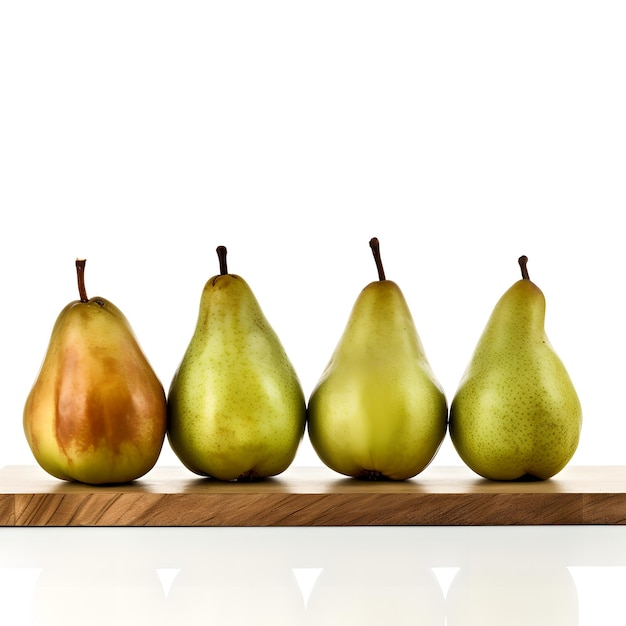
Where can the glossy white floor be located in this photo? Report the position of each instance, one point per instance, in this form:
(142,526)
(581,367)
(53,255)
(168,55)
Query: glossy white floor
(230,576)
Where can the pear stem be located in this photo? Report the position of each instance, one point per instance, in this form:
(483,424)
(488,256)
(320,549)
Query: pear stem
(375,246)
(221,254)
(80,274)
(523,260)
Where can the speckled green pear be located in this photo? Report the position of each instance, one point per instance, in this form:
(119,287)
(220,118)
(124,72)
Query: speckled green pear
(516,413)
(378,412)
(236,410)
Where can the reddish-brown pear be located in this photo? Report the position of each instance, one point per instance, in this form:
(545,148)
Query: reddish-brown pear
(97,411)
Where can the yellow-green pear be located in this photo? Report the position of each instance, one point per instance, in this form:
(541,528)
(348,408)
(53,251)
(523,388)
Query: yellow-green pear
(236,410)
(516,414)
(378,412)
(97,412)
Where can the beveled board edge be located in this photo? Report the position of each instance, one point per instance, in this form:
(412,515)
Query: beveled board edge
(172,502)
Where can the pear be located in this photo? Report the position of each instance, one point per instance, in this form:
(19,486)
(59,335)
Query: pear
(236,410)
(377,411)
(516,414)
(97,411)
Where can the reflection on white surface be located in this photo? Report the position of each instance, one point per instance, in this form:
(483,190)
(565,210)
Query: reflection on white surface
(521,596)
(166,576)
(102,594)
(306,577)
(241,591)
(362,591)
(16,591)
(557,576)
(445,575)
(601,594)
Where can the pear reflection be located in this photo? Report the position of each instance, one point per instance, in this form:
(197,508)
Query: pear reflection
(496,594)
(98,595)
(241,592)
(362,592)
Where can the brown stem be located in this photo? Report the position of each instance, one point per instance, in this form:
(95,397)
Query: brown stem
(375,246)
(80,274)
(523,260)
(221,253)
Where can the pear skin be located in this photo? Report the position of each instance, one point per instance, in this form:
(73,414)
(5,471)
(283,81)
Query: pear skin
(97,412)
(378,412)
(236,410)
(516,413)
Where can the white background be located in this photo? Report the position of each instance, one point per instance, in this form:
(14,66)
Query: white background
(141,135)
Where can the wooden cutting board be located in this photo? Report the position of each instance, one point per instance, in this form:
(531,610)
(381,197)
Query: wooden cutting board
(315,496)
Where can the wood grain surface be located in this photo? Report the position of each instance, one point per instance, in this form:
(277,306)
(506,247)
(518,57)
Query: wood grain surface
(450,496)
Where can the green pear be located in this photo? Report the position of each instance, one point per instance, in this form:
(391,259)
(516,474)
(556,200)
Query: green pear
(378,411)
(516,413)
(236,410)
(96,412)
